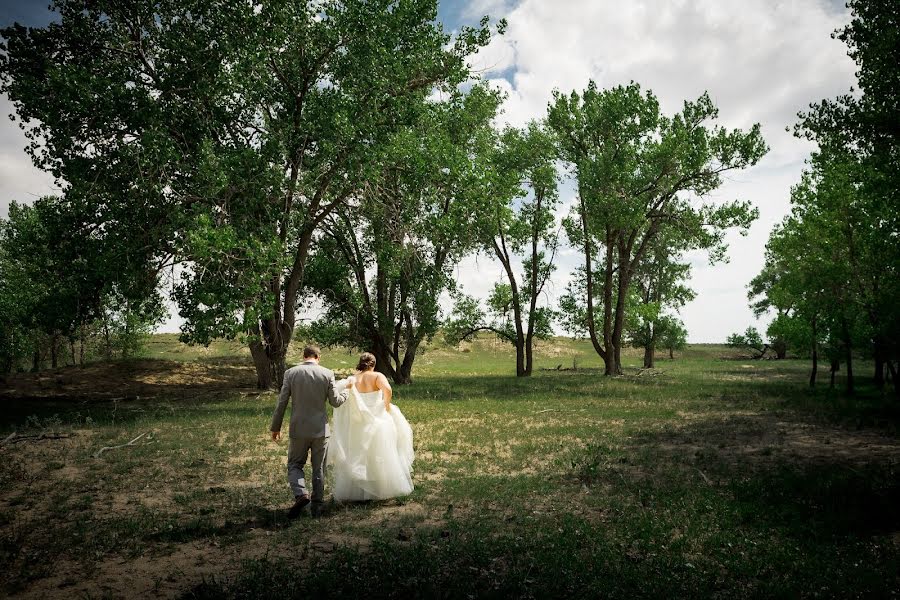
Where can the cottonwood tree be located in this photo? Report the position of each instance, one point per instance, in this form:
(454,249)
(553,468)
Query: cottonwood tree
(383,263)
(659,288)
(640,173)
(519,222)
(59,276)
(856,179)
(674,336)
(750,339)
(831,266)
(225,132)
(816,275)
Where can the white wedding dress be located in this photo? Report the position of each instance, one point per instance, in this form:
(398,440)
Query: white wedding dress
(370,449)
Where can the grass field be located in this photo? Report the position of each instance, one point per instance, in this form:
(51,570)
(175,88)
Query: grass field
(711,476)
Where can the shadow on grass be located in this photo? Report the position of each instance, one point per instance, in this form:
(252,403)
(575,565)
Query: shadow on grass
(747,506)
(782,474)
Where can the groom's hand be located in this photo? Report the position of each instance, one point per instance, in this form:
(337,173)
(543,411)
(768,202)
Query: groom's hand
(276,435)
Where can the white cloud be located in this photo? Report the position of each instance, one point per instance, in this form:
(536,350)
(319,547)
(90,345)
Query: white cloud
(494,8)
(760,62)
(20,180)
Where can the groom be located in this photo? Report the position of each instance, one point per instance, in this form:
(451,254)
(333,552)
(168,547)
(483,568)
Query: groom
(308,386)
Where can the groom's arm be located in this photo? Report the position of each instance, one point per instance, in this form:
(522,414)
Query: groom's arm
(280,407)
(336,398)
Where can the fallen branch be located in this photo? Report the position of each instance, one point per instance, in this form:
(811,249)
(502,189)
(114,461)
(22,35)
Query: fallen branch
(37,437)
(705,478)
(9,437)
(131,443)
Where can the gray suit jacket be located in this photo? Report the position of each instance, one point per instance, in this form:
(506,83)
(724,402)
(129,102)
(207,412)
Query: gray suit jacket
(309,386)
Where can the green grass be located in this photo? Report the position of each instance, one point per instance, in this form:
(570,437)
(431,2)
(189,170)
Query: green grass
(709,476)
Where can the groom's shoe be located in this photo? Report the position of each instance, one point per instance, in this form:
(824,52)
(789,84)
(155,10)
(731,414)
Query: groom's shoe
(298,507)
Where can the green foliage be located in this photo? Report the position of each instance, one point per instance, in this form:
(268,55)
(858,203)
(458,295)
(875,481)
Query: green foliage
(658,290)
(381,266)
(60,276)
(673,336)
(224,133)
(750,339)
(517,219)
(831,273)
(640,174)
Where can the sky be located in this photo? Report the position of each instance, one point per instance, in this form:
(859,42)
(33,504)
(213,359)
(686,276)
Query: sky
(760,61)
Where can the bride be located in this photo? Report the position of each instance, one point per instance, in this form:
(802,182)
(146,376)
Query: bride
(371,444)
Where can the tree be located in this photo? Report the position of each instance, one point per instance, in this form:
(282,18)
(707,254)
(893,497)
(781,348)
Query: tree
(658,287)
(638,174)
(58,276)
(674,336)
(519,221)
(224,133)
(750,339)
(382,265)
(859,148)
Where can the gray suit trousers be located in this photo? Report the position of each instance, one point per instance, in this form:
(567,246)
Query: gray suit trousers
(298,450)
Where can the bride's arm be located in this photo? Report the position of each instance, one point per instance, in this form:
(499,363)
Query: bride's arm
(382,384)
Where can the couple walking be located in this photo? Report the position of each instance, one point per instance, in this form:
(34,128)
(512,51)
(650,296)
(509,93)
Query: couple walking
(369,447)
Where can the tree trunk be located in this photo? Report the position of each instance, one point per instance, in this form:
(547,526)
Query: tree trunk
(265,374)
(403,376)
(609,359)
(81,349)
(649,352)
(815,355)
(623,282)
(815,367)
(892,373)
(671,354)
(520,357)
(879,364)
(848,353)
(589,291)
(849,359)
(780,348)
(107,340)
(503,255)
(529,354)
(400,374)
(835,366)
(383,362)
(53,351)
(274,333)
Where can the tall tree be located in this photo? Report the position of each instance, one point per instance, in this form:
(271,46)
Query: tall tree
(59,274)
(659,289)
(519,222)
(226,132)
(638,174)
(674,336)
(817,261)
(382,265)
(853,186)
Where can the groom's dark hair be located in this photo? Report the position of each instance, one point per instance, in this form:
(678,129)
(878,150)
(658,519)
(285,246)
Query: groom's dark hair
(311,351)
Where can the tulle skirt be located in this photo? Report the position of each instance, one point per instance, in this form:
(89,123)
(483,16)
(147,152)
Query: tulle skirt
(370,450)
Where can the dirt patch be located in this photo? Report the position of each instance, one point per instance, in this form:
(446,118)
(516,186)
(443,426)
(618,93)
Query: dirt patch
(131,380)
(151,576)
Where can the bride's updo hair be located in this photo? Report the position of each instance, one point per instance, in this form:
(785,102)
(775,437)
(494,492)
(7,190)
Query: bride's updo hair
(366,361)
